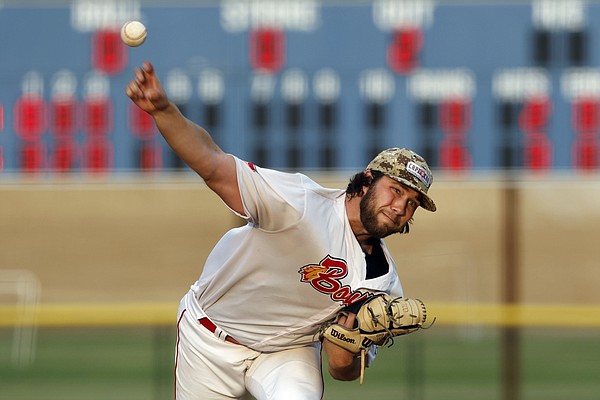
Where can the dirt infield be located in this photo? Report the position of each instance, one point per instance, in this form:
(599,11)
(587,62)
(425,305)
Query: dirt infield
(146,240)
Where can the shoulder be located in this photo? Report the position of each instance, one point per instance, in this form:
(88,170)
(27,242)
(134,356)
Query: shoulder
(250,169)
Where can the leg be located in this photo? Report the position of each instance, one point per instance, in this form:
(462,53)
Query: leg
(206,367)
(293,374)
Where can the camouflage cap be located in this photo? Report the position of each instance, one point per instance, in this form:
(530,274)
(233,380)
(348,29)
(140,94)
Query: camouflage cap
(408,168)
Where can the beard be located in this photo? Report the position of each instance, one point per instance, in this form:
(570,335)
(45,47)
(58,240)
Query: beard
(368,217)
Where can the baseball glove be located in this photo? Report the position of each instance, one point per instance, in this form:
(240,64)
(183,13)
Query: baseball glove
(378,321)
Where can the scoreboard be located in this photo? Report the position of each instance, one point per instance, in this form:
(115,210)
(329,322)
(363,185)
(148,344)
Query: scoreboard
(305,84)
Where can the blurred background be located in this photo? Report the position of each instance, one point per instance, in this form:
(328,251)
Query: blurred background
(103,228)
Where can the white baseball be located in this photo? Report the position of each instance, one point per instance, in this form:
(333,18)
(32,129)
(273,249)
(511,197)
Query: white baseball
(133,33)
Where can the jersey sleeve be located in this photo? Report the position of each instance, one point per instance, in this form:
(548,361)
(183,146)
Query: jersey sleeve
(396,287)
(273,200)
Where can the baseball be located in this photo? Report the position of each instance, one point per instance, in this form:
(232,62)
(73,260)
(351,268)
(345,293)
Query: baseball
(133,33)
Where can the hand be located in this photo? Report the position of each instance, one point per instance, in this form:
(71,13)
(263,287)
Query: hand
(343,365)
(146,90)
(347,321)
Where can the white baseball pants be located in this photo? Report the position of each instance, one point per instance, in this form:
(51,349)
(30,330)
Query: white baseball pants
(207,367)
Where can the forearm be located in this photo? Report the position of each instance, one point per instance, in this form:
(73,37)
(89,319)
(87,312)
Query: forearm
(190,141)
(342,364)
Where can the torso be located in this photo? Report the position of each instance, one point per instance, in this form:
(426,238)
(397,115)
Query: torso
(271,283)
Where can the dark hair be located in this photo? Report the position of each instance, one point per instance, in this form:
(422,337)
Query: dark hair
(360,180)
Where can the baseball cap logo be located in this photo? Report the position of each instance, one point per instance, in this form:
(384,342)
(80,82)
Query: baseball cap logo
(419,172)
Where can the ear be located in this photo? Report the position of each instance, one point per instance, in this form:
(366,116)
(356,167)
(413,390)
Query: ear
(368,175)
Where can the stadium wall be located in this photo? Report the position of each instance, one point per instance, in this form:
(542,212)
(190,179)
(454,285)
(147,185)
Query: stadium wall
(144,240)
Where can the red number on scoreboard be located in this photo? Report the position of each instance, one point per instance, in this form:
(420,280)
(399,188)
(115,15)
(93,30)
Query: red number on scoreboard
(141,123)
(30,117)
(454,155)
(98,156)
(586,151)
(63,118)
(98,117)
(538,152)
(109,54)
(150,156)
(403,52)
(64,156)
(585,116)
(33,156)
(455,116)
(1,129)
(534,116)
(267,49)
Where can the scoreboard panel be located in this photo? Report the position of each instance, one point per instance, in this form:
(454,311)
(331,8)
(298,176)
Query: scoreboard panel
(305,84)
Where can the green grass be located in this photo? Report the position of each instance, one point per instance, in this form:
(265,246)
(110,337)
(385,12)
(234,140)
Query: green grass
(443,363)
(91,364)
(429,365)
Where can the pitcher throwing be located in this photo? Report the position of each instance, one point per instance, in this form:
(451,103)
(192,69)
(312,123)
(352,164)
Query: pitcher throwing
(259,315)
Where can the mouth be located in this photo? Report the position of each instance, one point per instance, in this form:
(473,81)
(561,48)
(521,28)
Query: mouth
(392,218)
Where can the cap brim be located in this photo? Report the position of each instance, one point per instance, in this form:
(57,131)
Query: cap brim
(426,201)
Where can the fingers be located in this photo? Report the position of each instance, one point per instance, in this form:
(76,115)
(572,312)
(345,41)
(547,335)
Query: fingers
(348,321)
(148,67)
(134,91)
(145,89)
(145,72)
(140,75)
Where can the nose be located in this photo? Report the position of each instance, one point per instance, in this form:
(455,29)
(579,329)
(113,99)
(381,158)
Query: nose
(399,206)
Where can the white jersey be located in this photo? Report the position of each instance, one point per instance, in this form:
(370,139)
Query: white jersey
(295,264)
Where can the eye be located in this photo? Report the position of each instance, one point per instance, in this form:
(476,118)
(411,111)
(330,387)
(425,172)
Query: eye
(413,204)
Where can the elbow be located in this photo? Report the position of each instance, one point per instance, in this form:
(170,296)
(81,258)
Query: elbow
(346,372)
(343,376)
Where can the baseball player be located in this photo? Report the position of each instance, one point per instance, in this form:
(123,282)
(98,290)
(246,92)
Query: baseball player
(252,322)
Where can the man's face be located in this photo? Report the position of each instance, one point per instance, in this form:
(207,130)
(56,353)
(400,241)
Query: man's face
(387,206)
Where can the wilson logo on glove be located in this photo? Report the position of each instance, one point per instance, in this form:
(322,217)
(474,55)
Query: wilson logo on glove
(341,336)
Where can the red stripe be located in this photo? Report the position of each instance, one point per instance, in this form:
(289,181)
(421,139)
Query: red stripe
(208,324)
(177,356)
(321,368)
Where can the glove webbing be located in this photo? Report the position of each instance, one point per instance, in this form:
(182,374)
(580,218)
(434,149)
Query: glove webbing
(388,310)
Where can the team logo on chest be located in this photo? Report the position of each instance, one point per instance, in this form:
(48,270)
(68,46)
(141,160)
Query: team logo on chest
(326,277)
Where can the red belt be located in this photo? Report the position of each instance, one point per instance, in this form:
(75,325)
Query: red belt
(208,324)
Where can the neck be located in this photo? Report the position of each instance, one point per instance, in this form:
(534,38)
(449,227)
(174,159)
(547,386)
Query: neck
(353,214)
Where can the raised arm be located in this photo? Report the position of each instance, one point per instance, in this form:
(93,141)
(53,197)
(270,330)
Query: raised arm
(191,142)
